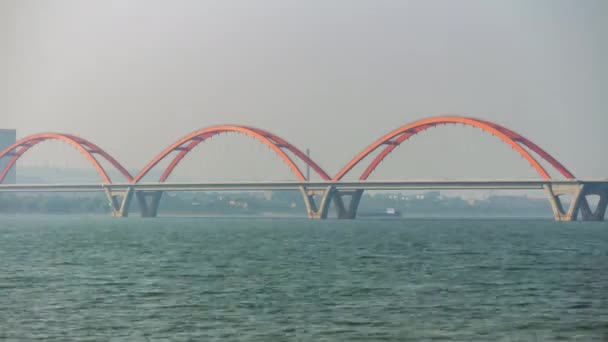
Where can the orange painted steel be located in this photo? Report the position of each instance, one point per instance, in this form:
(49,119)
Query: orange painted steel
(532,146)
(401,134)
(86,147)
(280,146)
(190,141)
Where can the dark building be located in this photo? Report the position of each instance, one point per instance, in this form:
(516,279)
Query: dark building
(7,138)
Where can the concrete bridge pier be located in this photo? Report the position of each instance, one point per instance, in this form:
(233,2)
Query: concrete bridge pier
(316,210)
(347,212)
(148,202)
(119,201)
(318,201)
(599,212)
(579,201)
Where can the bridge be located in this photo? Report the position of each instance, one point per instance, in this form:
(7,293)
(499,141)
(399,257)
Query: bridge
(345,195)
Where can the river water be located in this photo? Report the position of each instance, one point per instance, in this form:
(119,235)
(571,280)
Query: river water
(204,279)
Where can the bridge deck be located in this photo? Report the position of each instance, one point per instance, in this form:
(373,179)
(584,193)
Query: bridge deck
(295,185)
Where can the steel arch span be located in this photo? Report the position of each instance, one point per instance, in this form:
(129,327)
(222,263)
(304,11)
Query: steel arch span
(390,141)
(186,144)
(87,148)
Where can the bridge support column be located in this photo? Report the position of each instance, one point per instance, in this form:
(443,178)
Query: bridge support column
(559,212)
(600,210)
(119,201)
(579,201)
(314,210)
(148,202)
(347,212)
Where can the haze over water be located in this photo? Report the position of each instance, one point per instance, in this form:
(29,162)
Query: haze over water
(330,77)
(201,279)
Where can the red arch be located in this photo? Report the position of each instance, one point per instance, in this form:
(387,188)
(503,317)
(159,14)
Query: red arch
(87,148)
(401,134)
(190,141)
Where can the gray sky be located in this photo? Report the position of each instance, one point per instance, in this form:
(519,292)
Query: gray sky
(134,76)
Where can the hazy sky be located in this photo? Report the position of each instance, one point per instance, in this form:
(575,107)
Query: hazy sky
(134,76)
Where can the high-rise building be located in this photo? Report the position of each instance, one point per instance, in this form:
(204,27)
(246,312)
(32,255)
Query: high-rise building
(7,138)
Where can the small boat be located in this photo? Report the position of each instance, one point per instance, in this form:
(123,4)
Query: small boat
(388,212)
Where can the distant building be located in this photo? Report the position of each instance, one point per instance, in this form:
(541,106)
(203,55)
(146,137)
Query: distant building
(429,196)
(7,138)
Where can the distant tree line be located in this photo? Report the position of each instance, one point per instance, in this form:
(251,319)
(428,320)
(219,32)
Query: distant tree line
(46,203)
(280,202)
